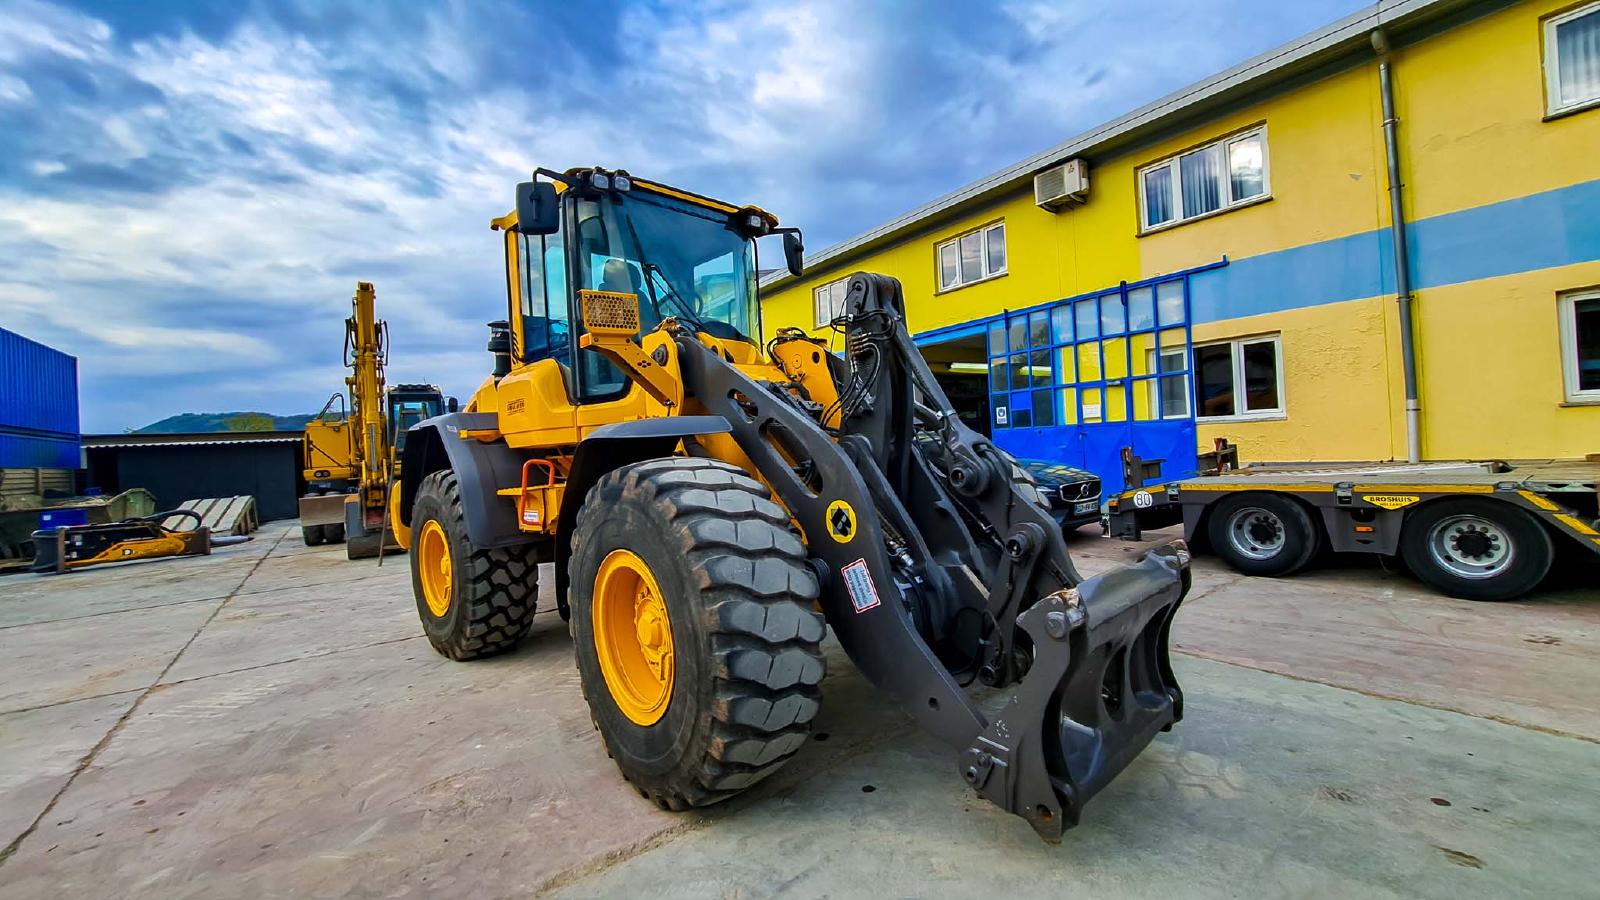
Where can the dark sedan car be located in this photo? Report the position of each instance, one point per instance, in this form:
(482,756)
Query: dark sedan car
(1072,495)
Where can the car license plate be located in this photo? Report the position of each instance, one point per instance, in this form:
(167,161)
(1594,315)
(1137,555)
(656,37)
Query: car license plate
(1085,507)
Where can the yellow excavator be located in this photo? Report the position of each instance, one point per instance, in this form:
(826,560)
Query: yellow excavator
(351,455)
(713,501)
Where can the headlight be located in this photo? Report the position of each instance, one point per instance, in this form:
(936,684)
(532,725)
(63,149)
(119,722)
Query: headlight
(1044,497)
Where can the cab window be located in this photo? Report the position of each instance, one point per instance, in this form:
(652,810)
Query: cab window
(545,332)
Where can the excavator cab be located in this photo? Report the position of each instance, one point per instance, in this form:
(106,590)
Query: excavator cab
(408,405)
(714,499)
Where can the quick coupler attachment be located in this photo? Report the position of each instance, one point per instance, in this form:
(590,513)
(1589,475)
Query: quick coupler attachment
(1100,687)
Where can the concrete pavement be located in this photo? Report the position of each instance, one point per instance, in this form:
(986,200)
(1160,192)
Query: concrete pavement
(267,721)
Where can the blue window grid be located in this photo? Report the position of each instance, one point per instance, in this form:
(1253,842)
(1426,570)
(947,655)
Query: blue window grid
(1021,398)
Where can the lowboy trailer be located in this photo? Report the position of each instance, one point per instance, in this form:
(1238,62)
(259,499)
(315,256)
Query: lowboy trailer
(1478,530)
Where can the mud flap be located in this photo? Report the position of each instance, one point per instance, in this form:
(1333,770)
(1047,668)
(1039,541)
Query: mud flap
(1101,686)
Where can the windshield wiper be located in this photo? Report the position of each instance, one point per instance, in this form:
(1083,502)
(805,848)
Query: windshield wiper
(651,268)
(688,311)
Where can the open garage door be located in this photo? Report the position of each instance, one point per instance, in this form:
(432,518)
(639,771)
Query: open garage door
(961,366)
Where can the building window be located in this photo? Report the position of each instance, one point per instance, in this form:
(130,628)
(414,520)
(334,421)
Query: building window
(1580,346)
(1572,59)
(1241,379)
(1172,390)
(1228,173)
(972,257)
(827,302)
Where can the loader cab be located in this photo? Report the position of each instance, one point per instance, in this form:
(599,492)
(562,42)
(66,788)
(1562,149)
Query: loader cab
(683,256)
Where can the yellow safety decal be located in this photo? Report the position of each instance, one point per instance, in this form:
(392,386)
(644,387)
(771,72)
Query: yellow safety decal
(1538,501)
(1391,501)
(1576,524)
(841,519)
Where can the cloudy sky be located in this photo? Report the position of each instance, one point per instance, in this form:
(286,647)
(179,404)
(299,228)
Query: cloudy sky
(189,191)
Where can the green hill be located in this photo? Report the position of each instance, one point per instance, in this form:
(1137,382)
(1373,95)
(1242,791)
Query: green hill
(199,423)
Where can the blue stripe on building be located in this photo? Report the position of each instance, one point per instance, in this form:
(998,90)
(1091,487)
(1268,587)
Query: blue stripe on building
(1539,231)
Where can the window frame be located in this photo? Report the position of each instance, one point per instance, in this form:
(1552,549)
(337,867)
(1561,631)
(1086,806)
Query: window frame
(1236,353)
(1184,371)
(1552,69)
(1175,180)
(1567,316)
(983,257)
(816,306)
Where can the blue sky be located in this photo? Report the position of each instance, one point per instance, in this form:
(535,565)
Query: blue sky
(189,191)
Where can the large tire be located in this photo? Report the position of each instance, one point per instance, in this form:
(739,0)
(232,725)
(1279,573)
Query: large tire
(1263,534)
(334,534)
(485,599)
(740,609)
(313,535)
(1476,549)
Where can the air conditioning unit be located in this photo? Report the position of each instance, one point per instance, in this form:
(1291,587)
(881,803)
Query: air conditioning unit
(1061,186)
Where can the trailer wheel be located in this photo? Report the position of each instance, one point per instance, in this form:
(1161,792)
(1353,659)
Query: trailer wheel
(472,602)
(1263,534)
(694,627)
(1476,549)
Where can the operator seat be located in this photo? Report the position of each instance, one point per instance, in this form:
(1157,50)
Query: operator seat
(619,277)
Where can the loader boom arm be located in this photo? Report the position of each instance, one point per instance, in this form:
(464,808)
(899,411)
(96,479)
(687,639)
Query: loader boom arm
(940,568)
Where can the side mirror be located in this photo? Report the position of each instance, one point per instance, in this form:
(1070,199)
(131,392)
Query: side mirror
(452,405)
(794,252)
(538,210)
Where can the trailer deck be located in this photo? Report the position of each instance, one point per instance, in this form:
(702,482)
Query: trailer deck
(1476,529)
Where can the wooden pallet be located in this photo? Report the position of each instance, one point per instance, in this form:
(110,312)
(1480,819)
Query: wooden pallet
(223,515)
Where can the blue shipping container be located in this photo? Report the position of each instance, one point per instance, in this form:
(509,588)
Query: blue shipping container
(38,389)
(23,451)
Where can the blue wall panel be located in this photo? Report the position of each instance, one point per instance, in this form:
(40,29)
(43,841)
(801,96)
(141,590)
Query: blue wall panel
(18,451)
(38,387)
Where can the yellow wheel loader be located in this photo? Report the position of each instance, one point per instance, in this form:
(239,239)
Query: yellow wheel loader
(712,502)
(352,456)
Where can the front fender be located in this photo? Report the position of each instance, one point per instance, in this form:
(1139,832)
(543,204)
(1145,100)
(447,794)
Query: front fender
(611,447)
(481,470)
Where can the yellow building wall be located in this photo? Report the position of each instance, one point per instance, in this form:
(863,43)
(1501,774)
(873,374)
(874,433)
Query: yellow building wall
(1473,131)
(1326,173)
(1339,401)
(1491,382)
(1472,116)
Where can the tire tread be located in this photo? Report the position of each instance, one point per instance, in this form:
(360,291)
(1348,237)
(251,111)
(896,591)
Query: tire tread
(502,586)
(757,606)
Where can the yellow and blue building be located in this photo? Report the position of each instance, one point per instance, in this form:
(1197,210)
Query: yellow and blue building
(1221,263)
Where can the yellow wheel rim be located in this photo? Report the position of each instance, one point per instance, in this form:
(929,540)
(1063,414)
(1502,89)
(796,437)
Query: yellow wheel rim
(633,637)
(433,565)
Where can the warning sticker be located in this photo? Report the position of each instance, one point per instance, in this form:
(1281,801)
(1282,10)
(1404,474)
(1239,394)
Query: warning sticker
(858,581)
(1390,501)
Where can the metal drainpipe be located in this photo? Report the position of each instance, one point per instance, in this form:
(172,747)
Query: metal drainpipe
(1402,257)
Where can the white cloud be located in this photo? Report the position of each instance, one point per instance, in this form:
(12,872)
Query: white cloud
(207,196)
